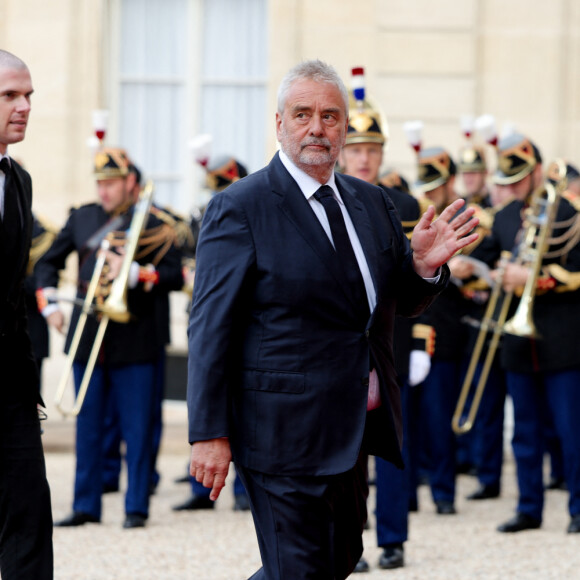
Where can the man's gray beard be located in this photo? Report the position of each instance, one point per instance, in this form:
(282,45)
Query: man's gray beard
(315,157)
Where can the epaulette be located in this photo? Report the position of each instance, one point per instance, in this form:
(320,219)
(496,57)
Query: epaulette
(157,240)
(163,215)
(41,243)
(183,234)
(424,338)
(484,216)
(572,199)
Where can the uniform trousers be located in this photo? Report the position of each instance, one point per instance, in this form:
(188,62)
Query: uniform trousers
(440,394)
(530,392)
(112,438)
(308,527)
(25,512)
(394,489)
(488,427)
(130,389)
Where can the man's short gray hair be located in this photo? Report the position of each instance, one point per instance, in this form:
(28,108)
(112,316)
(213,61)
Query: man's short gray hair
(315,70)
(9,60)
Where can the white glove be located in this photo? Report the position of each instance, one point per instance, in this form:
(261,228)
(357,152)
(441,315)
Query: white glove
(419,367)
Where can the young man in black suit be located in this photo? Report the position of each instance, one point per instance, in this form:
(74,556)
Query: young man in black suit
(291,367)
(25,511)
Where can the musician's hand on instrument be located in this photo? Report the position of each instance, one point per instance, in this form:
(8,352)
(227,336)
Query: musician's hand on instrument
(460,268)
(56,320)
(210,462)
(435,241)
(114,262)
(515,276)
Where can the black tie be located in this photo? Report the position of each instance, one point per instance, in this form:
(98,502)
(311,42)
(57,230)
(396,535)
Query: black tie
(343,247)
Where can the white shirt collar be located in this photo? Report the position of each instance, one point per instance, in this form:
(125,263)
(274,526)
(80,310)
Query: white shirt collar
(307,184)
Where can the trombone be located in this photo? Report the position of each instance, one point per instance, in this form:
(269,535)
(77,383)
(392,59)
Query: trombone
(538,225)
(114,308)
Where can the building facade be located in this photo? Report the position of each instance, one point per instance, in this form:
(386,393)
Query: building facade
(168,70)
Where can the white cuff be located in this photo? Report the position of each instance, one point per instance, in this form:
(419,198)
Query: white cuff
(133,275)
(435,279)
(48,310)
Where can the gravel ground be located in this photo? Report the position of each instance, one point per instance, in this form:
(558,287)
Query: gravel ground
(221,544)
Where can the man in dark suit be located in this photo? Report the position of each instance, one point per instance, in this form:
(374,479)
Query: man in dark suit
(25,511)
(291,367)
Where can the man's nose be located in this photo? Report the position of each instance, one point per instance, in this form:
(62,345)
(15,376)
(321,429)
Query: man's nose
(23,104)
(316,126)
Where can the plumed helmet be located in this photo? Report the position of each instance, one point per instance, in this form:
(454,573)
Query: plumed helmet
(223,171)
(365,123)
(434,168)
(517,157)
(472,160)
(111,163)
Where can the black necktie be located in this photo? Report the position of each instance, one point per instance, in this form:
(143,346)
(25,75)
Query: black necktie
(343,247)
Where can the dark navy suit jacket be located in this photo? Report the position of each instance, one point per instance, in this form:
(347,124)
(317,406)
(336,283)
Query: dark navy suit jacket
(279,359)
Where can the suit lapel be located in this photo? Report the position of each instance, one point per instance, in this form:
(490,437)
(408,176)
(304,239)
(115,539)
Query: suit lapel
(362,224)
(23,205)
(294,205)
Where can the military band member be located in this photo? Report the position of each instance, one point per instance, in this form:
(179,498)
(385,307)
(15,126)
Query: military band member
(436,182)
(485,442)
(542,370)
(362,157)
(182,237)
(124,373)
(472,169)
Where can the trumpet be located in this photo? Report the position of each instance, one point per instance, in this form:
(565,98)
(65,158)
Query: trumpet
(539,223)
(114,307)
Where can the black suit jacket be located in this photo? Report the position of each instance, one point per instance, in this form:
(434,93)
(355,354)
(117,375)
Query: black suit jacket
(16,359)
(278,357)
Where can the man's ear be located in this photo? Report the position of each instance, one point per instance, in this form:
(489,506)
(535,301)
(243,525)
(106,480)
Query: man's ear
(345,131)
(538,175)
(340,160)
(131,182)
(278,125)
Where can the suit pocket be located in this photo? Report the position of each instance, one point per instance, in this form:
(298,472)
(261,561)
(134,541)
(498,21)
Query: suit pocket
(273,381)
